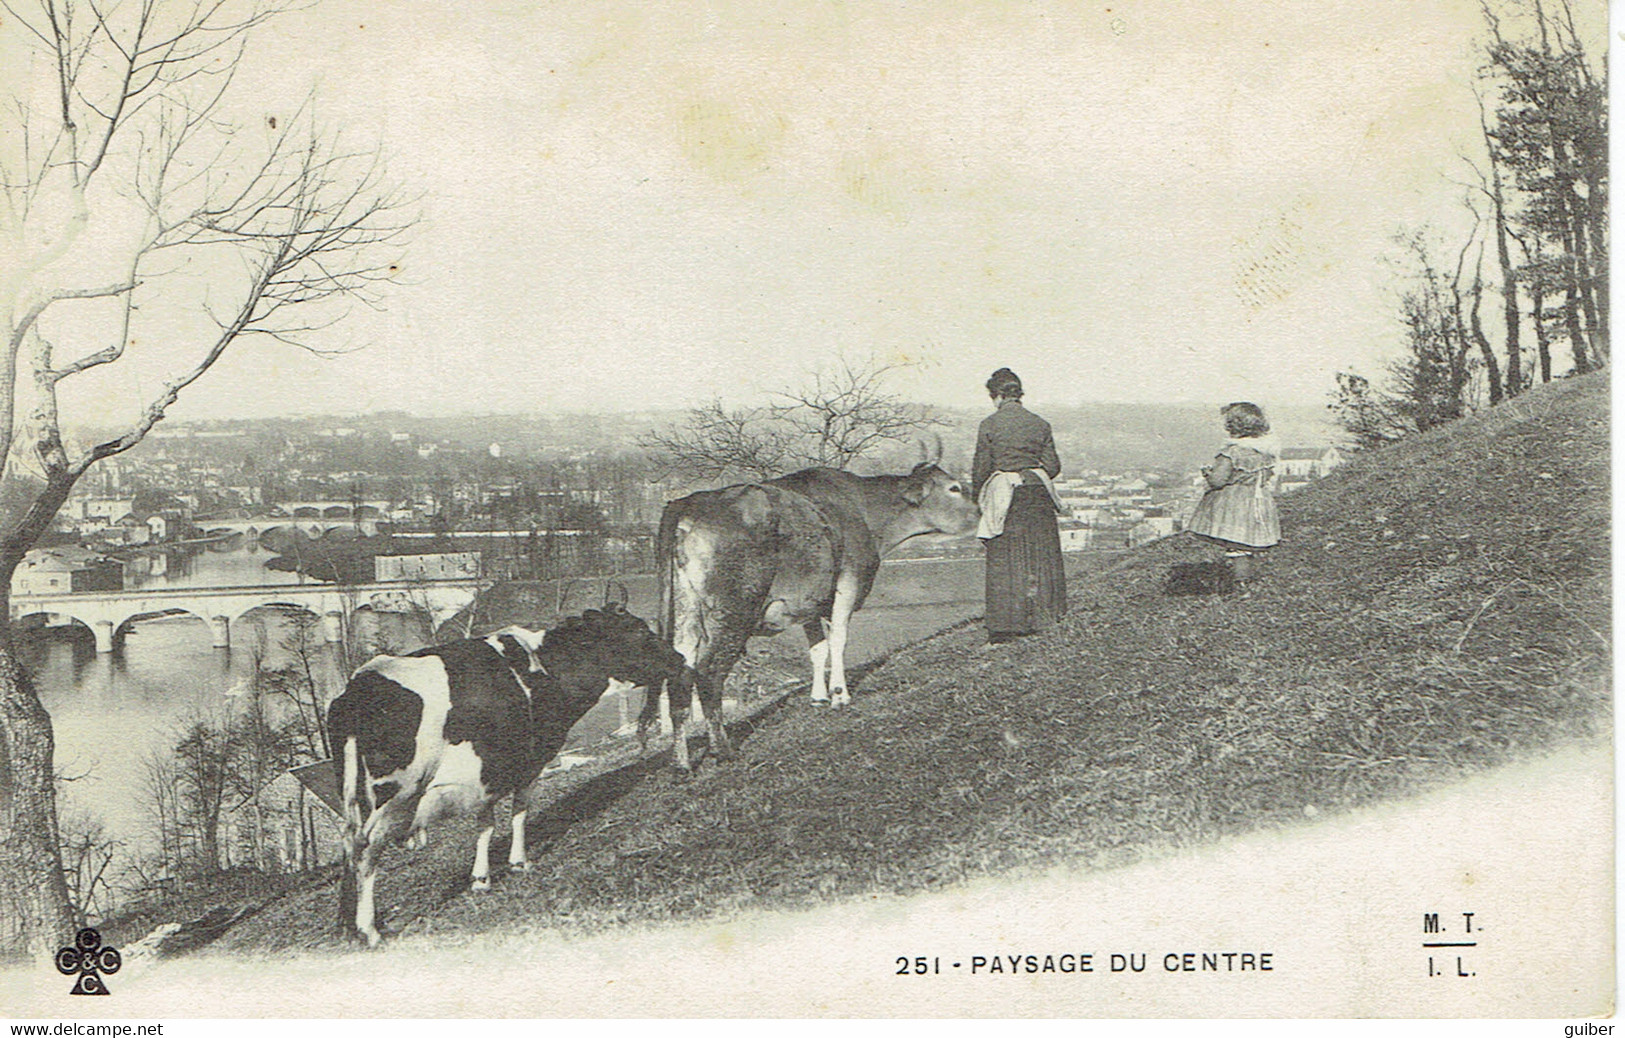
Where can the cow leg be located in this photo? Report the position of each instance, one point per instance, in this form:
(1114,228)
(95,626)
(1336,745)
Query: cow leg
(840,618)
(818,651)
(671,704)
(708,686)
(517,861)
(679,745)
(482,850)
(654,709)
(385,822)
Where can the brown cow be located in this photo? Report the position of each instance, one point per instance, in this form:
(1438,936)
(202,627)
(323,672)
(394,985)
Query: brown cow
(800,549)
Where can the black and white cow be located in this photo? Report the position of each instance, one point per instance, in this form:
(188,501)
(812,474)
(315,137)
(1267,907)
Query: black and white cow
(452,729)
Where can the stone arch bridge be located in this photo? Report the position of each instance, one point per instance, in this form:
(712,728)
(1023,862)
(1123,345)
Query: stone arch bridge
(106,613)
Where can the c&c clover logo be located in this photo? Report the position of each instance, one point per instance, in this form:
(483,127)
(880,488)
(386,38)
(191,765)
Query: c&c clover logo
(89,959)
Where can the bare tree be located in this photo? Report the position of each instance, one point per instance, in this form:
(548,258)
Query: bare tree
(834,418)
(1511,319)
(87,852)
(1431,382)
(845,413)
(715,442)
(125,196)
(160,799)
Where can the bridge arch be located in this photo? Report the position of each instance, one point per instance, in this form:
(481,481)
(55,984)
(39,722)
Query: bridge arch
(218,636)
(76,622)
(273,605)
(106,613)
(329,621)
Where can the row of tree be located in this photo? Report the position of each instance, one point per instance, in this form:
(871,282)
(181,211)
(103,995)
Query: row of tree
(1538,205)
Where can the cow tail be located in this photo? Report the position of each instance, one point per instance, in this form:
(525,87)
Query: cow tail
(666,578)
(351,784)
(666,567)
(353,814)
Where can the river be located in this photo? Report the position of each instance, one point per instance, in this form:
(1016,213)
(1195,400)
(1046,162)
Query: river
(111,711)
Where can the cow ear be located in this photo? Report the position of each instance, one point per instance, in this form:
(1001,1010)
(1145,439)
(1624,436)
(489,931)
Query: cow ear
(914,488)
(515,653)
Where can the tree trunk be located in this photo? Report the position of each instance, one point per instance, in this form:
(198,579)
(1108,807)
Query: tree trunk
(1492,370)
(1465,340)
(1543,344)
(1509,288)
(1599,260)
(1571,321)
(1585,287)
(36,917)
(1569,230)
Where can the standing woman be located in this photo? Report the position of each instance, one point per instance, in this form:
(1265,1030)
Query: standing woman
(1237,513)
(1015,462)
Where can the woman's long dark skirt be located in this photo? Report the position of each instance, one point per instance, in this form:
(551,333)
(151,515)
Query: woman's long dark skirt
(1026,583)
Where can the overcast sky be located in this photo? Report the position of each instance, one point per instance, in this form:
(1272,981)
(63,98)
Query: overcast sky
(633,205)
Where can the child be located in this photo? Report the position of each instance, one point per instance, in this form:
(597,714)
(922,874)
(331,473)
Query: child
(1238,511)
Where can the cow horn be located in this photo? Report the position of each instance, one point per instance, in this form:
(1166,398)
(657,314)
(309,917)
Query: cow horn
(565,587)
(930,443)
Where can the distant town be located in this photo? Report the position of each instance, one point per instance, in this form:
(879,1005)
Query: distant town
(396,498)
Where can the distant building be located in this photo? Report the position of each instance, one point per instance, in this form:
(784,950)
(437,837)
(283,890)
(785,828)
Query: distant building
(53,571)
(1127,497)
(109,509)
(1151,529)
(249,495)
(448,565)
(1076,537)
(1308,462)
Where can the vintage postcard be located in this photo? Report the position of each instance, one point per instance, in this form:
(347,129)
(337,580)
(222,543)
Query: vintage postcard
(805,509)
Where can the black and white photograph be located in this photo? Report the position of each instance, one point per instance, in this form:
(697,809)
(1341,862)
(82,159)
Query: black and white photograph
(805,509)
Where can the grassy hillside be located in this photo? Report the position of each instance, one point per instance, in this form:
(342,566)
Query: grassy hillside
(1438,607)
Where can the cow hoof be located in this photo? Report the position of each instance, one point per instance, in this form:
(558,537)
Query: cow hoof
(480,886)
(820,699)
(519,866)
(840,698)
(373,937)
